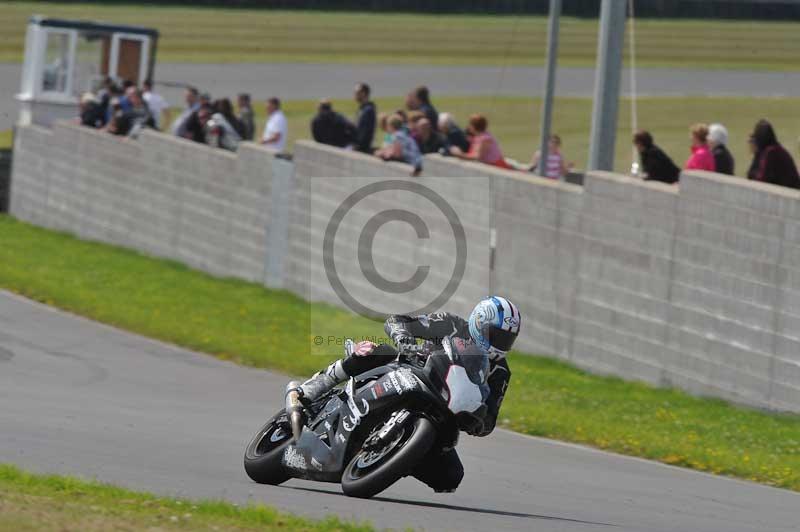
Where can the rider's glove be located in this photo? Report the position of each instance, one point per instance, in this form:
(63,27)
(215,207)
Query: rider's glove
(473,423)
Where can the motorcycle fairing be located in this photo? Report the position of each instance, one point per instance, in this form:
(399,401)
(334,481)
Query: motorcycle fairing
(321,451)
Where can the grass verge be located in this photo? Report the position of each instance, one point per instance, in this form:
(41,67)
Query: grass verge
(259,327)
(31,502)
(223,35)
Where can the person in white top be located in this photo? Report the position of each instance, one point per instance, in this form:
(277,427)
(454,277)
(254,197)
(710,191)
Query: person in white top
(156,103)
(277,129)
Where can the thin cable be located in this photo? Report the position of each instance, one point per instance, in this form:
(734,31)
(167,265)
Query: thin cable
(633,96)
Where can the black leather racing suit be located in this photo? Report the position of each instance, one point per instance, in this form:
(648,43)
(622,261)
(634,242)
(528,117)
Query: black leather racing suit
(441,469)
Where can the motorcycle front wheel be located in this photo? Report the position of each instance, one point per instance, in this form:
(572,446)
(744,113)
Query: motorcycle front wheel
(262,458)
(376,467)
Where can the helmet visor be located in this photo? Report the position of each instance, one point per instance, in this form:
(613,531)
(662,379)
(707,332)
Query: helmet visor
(501,339)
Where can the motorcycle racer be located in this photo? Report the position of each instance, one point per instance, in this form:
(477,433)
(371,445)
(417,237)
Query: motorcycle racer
(491,329)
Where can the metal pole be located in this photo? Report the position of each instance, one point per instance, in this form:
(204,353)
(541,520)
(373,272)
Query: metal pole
(550,82)
(607,84)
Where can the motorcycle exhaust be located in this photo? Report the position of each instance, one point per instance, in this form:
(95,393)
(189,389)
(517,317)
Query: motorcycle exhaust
(294,409)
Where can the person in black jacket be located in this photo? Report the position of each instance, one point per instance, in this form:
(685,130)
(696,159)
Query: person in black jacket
(365,119)
(330,127)
(772,163)
(656,165)
(718,140)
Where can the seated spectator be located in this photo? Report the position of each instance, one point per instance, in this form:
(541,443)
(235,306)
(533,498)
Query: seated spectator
(219,129)
(420,100)
(701,158)
(453,135)
(365,119)
(656,165)
(402,148)
(718,140)
(156,103)
(383,123)
(136,118)
(483,146)
(428,140)
(180,128)
(330,127)
(555,167)
(411,123)
(772,162)
(277,128)
(246,116)
(91,111)
(224,107)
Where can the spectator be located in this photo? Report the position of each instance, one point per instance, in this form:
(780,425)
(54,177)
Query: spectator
(91,111)
(196,128)
(246,116)
(483,146)
(224,133)
(155,102)
(701,158)
(420,100)
(428,140)
(718,141)
(180,128)
(205,99)
(136,118)
(453,135)
(365,119)
(656,165)
(555,167)
(383,122)
(403,147)
(276,129)
(224,107)
(774,164)
(753,170)
(104,95)
(411,123)
(330,127)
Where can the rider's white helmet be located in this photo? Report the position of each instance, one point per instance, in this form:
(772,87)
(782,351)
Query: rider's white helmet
(494,324)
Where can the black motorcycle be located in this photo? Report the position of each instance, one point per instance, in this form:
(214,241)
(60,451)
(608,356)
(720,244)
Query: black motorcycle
(376,429)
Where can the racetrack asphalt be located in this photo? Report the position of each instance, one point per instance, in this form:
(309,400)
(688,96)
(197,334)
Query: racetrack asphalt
(311,81)
(86,399)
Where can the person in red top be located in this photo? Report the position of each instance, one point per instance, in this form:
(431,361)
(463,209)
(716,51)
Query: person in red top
(701,158)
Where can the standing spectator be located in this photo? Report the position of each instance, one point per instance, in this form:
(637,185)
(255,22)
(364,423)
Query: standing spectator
(155,102)
(428,140)
(277,128)
(403,147)
(774,164)
(701,158)
(224,126)
(656,165)
(205,98)
(365,119)
(555,167)
(246,115)
(330,127)
(420,100)
(91,112)
(483,146)
(752,172)
(196,125)
(453,135)
(718,140)
(181,125)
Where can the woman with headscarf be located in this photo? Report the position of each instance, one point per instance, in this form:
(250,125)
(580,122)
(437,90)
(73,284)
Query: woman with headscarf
(718,141)
(772,163)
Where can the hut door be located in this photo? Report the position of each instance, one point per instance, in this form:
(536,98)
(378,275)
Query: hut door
(129,56)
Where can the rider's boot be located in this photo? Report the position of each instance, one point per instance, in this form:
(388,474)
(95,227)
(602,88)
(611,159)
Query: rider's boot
(323,382)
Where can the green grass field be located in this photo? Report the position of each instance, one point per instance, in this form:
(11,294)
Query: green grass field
(515,122)
(246,323)
(32,503)
(239,35)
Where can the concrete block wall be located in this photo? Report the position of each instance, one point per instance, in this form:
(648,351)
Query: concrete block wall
(695,286)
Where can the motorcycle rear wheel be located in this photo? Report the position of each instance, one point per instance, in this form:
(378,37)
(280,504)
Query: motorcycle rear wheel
(263,455)
(370,472)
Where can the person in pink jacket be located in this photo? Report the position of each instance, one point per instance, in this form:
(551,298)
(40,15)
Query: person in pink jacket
(701,158)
